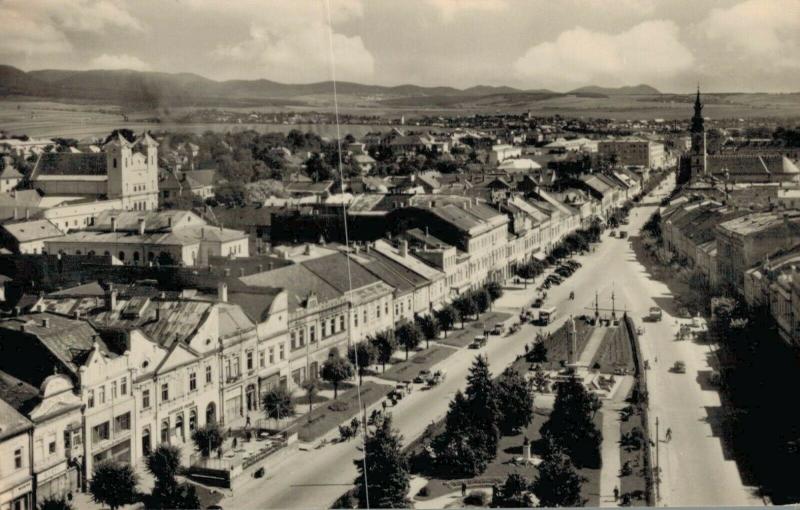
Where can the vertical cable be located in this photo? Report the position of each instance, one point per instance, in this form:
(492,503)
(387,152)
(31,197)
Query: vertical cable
(347,245)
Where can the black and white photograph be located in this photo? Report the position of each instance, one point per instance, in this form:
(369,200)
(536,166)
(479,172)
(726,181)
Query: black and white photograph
(428,254)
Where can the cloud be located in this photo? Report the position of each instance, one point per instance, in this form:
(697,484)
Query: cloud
(106,61)
(41,27)
(757,30)
(292,41)
(448,9)
(648,51)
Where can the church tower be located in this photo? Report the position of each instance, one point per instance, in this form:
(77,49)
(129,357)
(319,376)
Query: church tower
(698,134)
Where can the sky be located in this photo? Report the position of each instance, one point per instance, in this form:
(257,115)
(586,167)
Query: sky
(724,45)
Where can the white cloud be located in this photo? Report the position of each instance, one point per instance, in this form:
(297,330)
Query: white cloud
(41,27)
(292,41)
(649,51)
(449,8)
(106,61)
(758,29)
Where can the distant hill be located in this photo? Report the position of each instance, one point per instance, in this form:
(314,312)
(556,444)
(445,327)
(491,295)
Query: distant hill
(595,91)
(126,87)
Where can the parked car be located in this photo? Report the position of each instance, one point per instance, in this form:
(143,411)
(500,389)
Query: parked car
(655,314)
(623,234)
(498,329)
(478,342)
(679,367)
(537,303)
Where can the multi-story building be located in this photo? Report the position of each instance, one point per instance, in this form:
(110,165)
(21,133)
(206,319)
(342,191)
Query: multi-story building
(16,474)
(634,152)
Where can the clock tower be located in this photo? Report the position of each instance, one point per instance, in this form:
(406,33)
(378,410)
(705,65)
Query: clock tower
(697,152)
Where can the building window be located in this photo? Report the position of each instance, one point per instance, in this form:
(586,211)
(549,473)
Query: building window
(312,334)
(18,458)
(271,355)
(365,316)
(378,312)
(165,431)
(250,360)
(262,359)
(145,399)
(123,386)
(122,422)
(101,432)
(386,308)
(283,352)
(102,395)
(164,392)
(90,399)
(51,448)
(355,319)
(192,381)
(67,439)
(341,323)
(293,337)
(208,374)
(113,390)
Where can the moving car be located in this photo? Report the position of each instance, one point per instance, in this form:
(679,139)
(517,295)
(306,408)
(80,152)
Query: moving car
(623,234)
(423,376)
(655,314)
(679,367)
(498,329)
(547,315)
(478,342)
(537,303)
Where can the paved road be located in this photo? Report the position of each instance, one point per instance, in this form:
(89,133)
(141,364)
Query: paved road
(694,469)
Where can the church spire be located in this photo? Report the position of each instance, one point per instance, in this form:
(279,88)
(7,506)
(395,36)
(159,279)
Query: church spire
(697,118)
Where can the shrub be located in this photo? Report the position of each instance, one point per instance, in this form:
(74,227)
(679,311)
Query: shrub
(477,498)
(338,406)
(424,492)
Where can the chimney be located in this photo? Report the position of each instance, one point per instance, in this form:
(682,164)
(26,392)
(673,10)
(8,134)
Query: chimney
(271,265)
(367,247)
(22,328)
(113,224)
(141,226)
(169,222)
(78,315)
(203,233)
(158,312)
(241,271)
(27,213)
(404,248)
(17,311)
(46,322)
(111,298)
(261,268)
(16,214)
(227,271)
(307,251)
(222,292)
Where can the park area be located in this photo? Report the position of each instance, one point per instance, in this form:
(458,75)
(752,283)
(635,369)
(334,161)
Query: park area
(407,370)
(464,336)
(509,451)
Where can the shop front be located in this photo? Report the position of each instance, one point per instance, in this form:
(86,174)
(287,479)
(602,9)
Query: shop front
(19,497)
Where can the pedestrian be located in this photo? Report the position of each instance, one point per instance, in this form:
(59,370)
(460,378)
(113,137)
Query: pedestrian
(247,423)
(616,493)
(384,404)
(463,489)
(656,358)
(669,435)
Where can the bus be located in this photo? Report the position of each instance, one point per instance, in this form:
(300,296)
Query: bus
(547,315)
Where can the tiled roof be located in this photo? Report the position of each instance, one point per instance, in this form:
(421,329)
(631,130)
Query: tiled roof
(20,395)
(334,270)
(9,172)
(11,421)
(69,340)
(35,230)
(68,163)
(739,164)
(299,282)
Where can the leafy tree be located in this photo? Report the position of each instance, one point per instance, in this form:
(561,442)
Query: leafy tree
(527,271)
(164,461)
(539,352)
(447,318)
(571,425)
(481,393)
(311,387)
(429,325)
(207,439)
(113,484)
(408,335)
(335,370)
(514,493)
(277,403)
(319,169)
(482,300)
(495,290)
(558,484)
(385,344)
(362,355)
(466,306)
(386,469)
(515,400)
(55,503)
(540,380)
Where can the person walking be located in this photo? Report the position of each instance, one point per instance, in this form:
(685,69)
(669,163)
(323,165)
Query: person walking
(616,493)
(463,489)
(669,435)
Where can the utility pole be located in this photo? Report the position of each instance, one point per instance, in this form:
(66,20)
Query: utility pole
(657,473)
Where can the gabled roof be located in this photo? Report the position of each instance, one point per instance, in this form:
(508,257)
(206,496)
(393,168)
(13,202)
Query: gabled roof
(341,273)
(11,421)
(299,282)
(20,395)
(9,172)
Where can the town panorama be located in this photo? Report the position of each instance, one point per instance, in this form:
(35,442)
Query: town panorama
(263,254)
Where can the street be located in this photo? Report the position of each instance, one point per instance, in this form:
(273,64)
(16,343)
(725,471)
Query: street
(315,478)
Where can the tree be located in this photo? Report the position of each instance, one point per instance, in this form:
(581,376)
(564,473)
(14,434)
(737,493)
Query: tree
(539,352)
(385,344)
(495,290)
(207,439)
(484,406)
(558,484)
(482,300)
(447,318)
(362,355)
(527,271)
(311,387)
(463,447)
(55,503)
(466,306)
(571,425)
(163,464)
(514,493)
(113,484)
(430,328)
(408,335)
(540,380)
(515,400)
(335,370)
(277,404)
(386,468)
